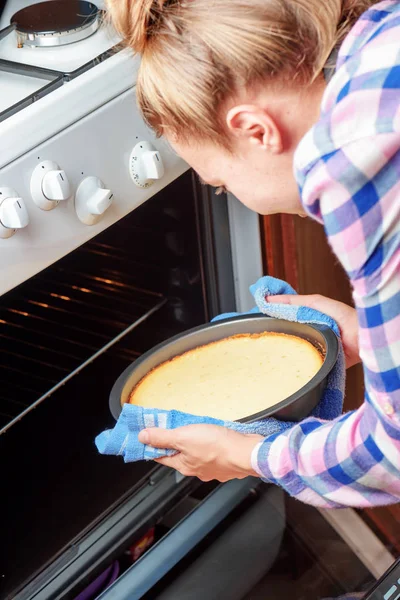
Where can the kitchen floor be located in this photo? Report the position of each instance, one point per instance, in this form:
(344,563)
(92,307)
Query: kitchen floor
(314,562)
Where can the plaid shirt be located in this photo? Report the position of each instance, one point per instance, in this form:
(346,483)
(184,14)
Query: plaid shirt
(348,170)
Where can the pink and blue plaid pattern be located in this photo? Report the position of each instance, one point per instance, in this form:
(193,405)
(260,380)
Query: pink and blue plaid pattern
(348,170)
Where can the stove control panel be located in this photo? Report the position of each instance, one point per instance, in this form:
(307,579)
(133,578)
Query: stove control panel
(49,185)
(84,171)
(92,200)
(145,165)
(13,214)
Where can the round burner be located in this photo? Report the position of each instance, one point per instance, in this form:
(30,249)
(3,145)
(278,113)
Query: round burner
(56,22)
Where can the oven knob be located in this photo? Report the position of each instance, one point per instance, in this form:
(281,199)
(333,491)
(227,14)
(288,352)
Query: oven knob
(92,200)
(13,214)
(145,165)
(49,185)
(56,186)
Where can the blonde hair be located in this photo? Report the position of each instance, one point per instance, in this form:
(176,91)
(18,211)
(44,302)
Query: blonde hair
(197,53)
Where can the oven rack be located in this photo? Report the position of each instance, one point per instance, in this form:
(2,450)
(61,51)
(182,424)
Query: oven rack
(56,323)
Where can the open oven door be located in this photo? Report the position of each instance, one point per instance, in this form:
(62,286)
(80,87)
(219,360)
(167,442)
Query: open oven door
(236,529)
(208,539)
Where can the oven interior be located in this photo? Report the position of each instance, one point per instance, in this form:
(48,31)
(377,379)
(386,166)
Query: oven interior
(67,333)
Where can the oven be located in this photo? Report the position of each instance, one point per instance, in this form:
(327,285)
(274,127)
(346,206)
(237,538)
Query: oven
(68,332)
(81,298)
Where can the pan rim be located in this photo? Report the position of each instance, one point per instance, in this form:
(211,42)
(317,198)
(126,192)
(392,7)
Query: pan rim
(331,355)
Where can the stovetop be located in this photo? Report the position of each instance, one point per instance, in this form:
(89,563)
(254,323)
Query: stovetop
(29,73)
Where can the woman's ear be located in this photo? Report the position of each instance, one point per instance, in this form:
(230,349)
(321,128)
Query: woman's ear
(254,124)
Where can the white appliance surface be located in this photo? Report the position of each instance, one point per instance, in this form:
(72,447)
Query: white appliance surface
(88,127)
(66,105)
(15,88)
(99,145)
(54,112)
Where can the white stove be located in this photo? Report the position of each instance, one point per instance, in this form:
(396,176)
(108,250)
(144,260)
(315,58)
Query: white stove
(75,155)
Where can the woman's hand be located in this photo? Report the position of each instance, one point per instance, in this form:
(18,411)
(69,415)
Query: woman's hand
(344,315)
(205,451)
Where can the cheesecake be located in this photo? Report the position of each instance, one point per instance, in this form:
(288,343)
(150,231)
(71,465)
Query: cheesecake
(232,378)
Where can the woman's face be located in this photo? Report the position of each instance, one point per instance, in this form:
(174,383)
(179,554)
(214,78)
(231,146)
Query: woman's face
(262,181)
(264,128)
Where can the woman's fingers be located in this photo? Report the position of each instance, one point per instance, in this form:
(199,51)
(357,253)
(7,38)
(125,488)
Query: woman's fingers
(344,315)
(321,303)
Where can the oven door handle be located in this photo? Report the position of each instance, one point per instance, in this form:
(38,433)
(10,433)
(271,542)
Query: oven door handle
(164,555)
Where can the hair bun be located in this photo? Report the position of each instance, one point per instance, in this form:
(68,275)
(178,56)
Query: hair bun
(137,20)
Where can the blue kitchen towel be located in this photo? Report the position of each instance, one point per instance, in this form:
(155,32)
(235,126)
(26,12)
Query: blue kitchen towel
(123,441)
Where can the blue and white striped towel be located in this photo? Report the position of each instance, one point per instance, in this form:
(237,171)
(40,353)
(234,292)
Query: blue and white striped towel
(123,441)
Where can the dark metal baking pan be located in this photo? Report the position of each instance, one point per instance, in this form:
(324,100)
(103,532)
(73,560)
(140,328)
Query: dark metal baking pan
(294,408)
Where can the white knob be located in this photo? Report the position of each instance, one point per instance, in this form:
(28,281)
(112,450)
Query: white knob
(49,185)
(99,201)
(152,163)
(13,214)
(145,164)
(56,186)
(92,200)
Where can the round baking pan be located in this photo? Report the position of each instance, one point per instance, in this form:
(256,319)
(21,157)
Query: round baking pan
(294,408)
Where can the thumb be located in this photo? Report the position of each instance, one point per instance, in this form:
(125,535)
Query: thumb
(159,438)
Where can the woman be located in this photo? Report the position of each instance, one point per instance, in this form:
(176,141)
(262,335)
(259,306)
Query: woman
(238,89)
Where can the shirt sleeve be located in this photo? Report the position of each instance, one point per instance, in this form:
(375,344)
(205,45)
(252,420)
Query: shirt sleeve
(355,459)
